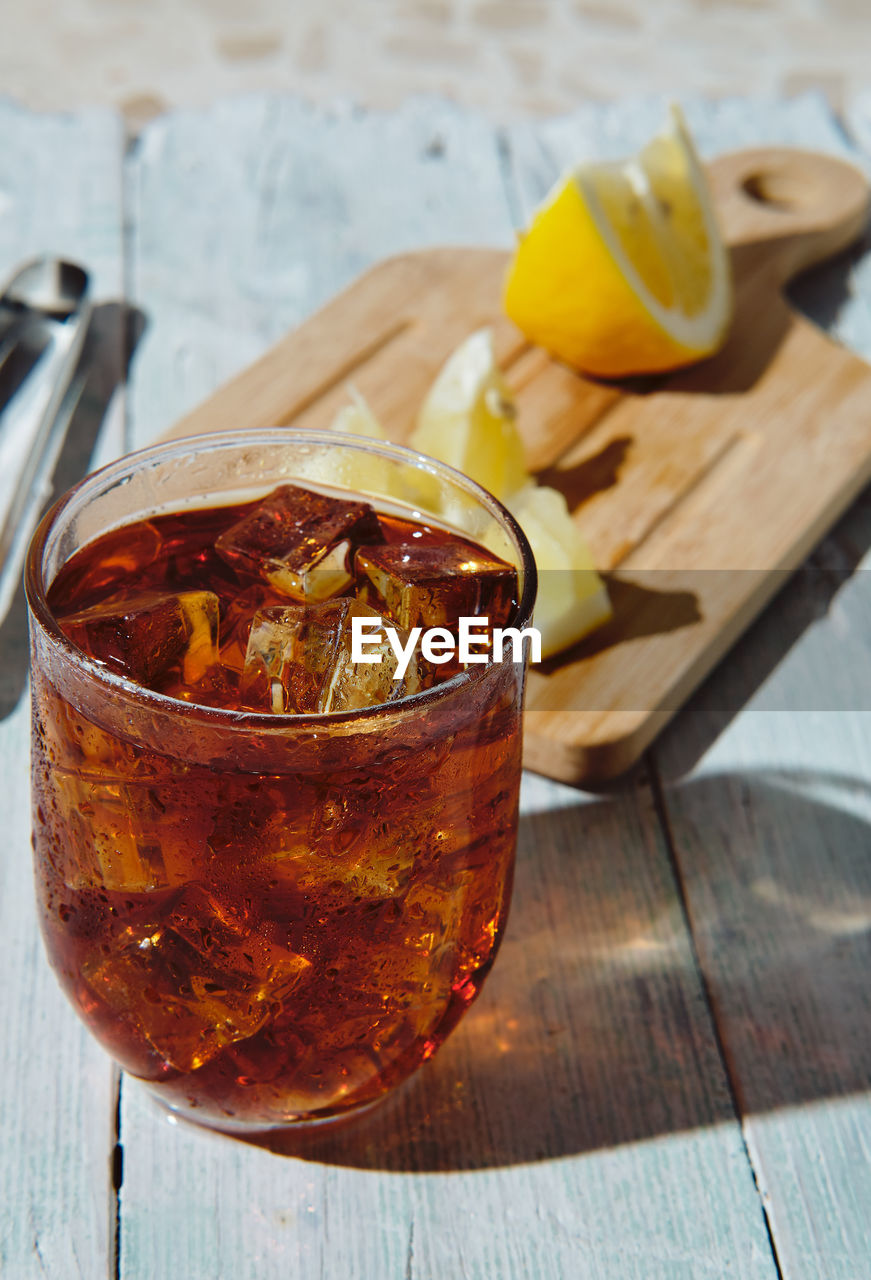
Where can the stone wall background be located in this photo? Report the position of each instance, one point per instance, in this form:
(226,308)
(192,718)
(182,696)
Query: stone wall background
(508,57)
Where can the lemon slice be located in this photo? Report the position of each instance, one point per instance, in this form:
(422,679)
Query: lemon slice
(467,419)
(572,599)
(623,269)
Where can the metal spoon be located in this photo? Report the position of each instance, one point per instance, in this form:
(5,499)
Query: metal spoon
(44,313)
(43,291)
(47,285)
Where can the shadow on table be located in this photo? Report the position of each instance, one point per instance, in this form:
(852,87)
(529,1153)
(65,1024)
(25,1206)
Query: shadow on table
(114,332)
(776,867)
(749,673)
(594,1029)
(821,292)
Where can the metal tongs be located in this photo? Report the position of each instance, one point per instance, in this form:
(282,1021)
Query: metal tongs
(44,315)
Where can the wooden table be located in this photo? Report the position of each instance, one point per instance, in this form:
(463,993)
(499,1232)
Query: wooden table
(667,1073)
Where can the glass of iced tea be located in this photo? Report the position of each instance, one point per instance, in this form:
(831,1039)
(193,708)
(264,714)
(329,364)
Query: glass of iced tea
(273,875)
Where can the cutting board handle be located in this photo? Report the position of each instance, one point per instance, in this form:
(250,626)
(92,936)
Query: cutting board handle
(801,206)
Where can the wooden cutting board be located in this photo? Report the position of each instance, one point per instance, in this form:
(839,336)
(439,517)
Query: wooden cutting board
(698,492)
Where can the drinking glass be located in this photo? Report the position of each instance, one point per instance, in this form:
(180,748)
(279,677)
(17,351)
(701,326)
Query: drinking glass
(270,919)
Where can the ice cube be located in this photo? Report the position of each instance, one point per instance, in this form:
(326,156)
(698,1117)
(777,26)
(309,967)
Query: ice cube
(350,837)
(151,637)
(299,661)
(300,541)
(403,954)
(74,744)
(236,619)
(289,654)
(122,834)
(356,847)
(101,844)
(455,919)
(351,685)
(192,976)
(434,586)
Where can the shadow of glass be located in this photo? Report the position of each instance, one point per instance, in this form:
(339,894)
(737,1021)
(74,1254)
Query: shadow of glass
(113,334)
(590,1031)
(593,1030)
(777,871)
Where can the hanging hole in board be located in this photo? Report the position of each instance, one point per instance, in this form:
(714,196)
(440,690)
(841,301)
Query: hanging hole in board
(780,189)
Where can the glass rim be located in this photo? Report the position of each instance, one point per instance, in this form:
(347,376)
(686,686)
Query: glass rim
(114,472)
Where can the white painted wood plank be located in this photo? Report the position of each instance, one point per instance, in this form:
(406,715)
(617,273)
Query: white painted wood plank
(577,1124)
(249,216)
(525,1147)
(60,192)
(772,832)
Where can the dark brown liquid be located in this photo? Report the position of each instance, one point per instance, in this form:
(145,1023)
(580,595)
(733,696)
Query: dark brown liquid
(276,941)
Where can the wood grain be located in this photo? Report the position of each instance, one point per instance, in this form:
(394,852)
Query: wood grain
(773,853)
(702,489)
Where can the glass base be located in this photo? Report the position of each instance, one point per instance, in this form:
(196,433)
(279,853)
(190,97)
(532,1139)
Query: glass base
(251,1130)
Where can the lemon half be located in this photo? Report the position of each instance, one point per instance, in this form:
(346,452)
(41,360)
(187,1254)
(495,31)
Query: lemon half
(623,269)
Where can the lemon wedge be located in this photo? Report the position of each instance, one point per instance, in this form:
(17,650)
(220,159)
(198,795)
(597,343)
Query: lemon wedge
(467,419)
(378,477)
(623,269)
(572,599)
(357,419)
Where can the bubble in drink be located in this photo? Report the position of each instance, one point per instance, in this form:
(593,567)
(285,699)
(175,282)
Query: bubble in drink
(300,542)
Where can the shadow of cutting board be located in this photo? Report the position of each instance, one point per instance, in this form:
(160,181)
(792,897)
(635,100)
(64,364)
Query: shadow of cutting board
(698,492)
